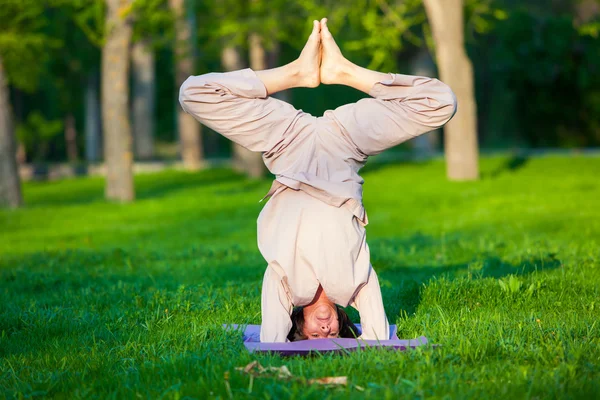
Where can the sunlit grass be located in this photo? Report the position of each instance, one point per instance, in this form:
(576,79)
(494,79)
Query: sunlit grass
(109,300)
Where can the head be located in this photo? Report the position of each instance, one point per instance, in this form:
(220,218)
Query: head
(320,323)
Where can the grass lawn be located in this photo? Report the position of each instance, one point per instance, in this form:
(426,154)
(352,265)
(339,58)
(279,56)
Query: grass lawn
(102,300)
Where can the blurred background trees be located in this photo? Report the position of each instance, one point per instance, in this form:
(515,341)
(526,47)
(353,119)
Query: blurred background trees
(535,74)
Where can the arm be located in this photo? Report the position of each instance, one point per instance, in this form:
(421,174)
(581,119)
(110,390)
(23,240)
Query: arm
(276,308)
(369,304)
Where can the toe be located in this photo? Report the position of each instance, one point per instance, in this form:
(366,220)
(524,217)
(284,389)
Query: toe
(324,28)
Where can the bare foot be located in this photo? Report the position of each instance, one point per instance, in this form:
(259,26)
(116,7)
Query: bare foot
(310,58)
(333,62)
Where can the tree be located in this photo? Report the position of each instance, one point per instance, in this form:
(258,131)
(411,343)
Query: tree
(10,185)
(87,40)
(115,102)
(70,132)
(455,68)
(23,57)
(190,134)
(423,65)
(251,162)
(152,30)
(143,92)
(92,118)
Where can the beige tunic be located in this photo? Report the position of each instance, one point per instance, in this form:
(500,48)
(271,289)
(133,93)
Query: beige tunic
(312,229)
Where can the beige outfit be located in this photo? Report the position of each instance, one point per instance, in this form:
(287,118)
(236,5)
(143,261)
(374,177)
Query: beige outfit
(312,229)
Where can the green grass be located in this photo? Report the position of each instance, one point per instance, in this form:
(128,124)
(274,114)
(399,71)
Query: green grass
(126,301)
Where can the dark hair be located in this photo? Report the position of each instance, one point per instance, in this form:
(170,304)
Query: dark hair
(347,328)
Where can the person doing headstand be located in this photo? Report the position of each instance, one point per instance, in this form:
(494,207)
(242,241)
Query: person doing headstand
(311,231)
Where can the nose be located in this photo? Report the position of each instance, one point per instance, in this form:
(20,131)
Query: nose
(325,328)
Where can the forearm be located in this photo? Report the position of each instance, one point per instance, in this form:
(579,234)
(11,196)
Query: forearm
(281,78)
(369,304)
(276,308)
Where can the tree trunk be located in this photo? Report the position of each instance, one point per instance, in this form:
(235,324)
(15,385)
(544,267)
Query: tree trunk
(143,77)
(10,184)
(456,70)
(586,11)
(252,162)
(190,134)
(273,62)
(71,138)
(243,159)
(92,119)
(115,102)
(423,65)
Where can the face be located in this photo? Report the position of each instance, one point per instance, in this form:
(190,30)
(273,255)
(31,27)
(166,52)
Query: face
(321,322)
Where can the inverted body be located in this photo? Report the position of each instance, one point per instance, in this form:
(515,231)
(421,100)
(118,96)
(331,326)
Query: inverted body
(311,232)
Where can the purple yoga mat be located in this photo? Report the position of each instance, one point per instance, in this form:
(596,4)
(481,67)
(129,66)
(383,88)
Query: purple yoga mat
(251,336)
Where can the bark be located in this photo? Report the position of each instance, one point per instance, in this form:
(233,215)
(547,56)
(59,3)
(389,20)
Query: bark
(251,162)
(21,153)
(189,130)
(456,70)
(243,159)
(71,138)
(92,119)
(143,77)
(423,65)
(10,183)
(115,102)
(586,11)
(273,62)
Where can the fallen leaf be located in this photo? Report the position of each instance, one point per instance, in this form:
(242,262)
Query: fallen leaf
(255,369)
(250,366)
(330,380)
(282,372)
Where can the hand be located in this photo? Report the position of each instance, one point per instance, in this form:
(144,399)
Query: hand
(309,61)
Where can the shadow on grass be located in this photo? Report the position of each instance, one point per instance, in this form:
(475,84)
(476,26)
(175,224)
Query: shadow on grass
(375,165)
(514,163)
(90,190)
(103,285)
(405,282)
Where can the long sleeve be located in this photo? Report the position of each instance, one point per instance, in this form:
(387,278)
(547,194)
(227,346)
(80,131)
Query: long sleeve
(276,308)
(402,108)
(369,304)
(236,105)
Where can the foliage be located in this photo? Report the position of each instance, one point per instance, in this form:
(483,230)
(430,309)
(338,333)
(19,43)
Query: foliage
(37,133)
(384,29)
(110,300)
(23,44)
(552,69)
(88,15)
(154,20)
(528,56)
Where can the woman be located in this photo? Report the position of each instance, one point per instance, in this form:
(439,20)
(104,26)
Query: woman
(311,232)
